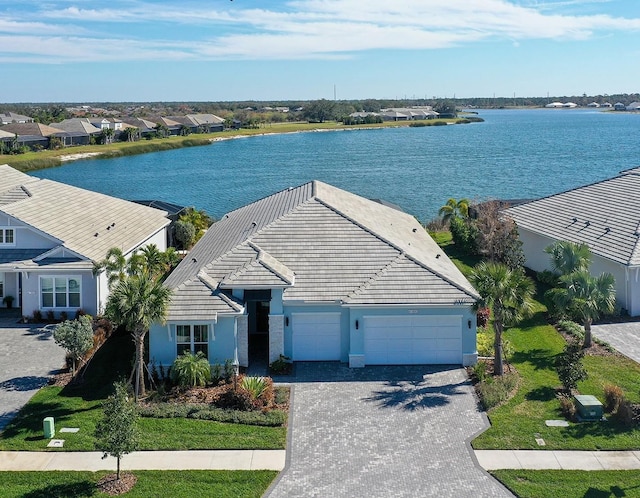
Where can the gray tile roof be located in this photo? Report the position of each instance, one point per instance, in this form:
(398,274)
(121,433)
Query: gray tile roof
(77,125)
(321,244)
(603,215)
(34,129)
(87,223)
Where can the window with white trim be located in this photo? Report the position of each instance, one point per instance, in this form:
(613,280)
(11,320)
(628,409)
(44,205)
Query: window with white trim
(7,237)
(60,292)
(193,338)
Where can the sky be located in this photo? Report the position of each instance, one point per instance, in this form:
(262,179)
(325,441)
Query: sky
(231,50)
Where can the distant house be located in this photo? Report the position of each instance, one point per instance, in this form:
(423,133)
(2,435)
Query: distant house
(408,113)
(619,106)
(12,117)
(318,274)
(32,135)
(78,131)
(634,106)
(144,126)
(593,104)
(603,215)
(554,105)
(51,234)
(201,123)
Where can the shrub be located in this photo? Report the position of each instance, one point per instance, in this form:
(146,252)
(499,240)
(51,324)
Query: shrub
(216,373)
(37,316)
(464,234)
(273,418)
(480,371)
(238,399)
(50,316)
(484,343)
(76,337)
(256,386)
(281,366)
(567,406)
(626,414)
(191,369)
(613,398)
(572,328)
(482,317)
(496,390)
(547,277)
(569,366)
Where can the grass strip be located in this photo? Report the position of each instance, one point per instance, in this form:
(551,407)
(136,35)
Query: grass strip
(570,483)
(182,484)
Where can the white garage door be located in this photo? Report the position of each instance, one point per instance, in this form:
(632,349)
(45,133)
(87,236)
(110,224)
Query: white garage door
(316,336)
(413,340)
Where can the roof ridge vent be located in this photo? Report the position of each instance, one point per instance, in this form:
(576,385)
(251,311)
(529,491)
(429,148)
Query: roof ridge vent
(26,190)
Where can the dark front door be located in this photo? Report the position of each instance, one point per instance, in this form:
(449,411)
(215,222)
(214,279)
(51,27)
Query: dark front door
(258,305)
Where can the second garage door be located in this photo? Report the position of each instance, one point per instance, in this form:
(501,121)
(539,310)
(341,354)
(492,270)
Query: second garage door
(316,336)
(413,340)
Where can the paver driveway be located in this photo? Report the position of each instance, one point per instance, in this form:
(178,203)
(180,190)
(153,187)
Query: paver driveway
(383,432)
(624,337)
(28,356)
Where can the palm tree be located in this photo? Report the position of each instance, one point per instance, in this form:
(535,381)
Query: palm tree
(114,264)
(585,297)
(567,257)
(153,260)
(454,209)
(135,303)
(508,293)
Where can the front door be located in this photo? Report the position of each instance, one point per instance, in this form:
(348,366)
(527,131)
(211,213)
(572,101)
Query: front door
(258,306)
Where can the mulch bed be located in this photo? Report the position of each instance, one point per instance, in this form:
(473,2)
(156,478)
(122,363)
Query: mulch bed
(113,487)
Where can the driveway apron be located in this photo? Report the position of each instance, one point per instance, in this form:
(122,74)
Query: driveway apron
(624,337)
(383,431)
(28,356)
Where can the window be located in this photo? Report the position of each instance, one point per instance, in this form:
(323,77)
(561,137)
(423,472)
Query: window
(192,338)
(1,285)
(7,236)
(60,292)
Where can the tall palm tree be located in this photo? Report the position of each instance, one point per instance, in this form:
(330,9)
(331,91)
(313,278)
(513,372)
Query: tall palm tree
(153,260)
(508,293)
(567,257)
(585,297)
(454,209)
(135,303)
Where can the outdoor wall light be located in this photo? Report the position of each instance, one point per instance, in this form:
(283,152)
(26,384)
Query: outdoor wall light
(357,325)
(469,323)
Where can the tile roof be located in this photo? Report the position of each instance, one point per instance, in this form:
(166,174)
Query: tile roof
(33,129)
(76,125)
(603,215)
(322,244)
(87,223)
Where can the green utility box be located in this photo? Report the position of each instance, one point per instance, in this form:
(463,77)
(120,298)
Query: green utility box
(588,407)
(49,428)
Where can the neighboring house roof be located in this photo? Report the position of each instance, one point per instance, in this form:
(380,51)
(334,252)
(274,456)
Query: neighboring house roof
(142,124)
(603,215)
(76,125)
(322,244)
(12,117)
(33,129)
(85,222)
(6,134)
(634,106)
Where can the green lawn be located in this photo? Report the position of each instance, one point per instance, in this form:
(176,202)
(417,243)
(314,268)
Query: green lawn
(182,484)
(570,484)
(82,407)
(516,424)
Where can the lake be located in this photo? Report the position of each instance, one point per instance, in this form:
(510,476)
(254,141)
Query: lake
(513,154)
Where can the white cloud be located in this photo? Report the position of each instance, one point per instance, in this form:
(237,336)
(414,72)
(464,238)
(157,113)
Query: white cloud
(296,30)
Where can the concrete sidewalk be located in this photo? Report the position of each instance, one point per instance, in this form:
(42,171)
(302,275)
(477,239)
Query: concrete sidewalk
(145,460)
(560,460)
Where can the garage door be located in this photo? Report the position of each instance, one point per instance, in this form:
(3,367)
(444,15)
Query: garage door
(316,336)
(413,340)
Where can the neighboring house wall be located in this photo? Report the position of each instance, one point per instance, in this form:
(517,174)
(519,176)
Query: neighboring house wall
(627,289)
(32,292)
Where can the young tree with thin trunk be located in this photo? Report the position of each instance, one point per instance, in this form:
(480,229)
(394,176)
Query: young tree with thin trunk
(116,434)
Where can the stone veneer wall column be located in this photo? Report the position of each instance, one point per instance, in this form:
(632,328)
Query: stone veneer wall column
(276,337)
(243,340)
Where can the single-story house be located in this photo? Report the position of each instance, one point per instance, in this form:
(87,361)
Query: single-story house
(603,215)
(12,117)
(317,273)
(51,234)
(78,131)
(633,106)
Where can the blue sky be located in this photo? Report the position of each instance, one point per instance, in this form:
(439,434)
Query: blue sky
(217,50)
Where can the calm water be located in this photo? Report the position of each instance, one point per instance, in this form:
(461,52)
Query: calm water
(513,154)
